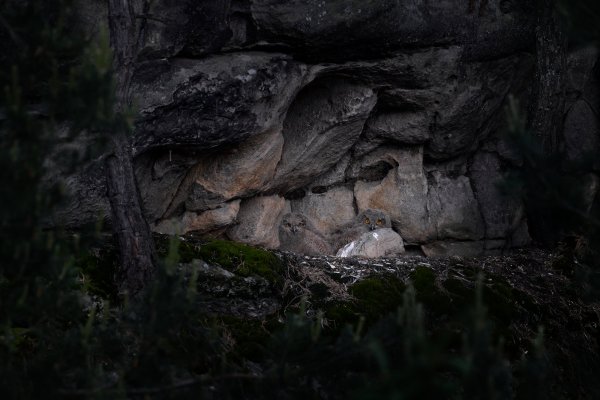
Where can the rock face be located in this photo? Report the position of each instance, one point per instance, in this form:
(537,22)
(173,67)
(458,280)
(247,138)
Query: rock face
(328,210)
(205,222)
(402,194)
(216,101)
(400,127)
(333,29)
(324,122)
(503,215)
(453,209)
(582,133)
(251,109)
(243,170)
(258,221)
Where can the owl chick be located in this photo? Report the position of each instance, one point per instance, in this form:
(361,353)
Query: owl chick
(366,221)
(297,234)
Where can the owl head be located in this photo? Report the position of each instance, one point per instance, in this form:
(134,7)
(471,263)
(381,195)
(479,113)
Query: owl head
(374,219)
(293,223)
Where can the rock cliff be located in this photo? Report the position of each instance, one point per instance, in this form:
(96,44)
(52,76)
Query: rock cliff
(249,109)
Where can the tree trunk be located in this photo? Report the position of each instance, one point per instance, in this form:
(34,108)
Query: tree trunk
(136,247)
(546,111)
(548,97)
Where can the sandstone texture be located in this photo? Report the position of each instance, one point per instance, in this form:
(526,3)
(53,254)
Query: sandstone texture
(205,222)
(250,109)
(258,220)
(328,210)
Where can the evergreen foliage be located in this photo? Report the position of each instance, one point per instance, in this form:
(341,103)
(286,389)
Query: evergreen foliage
(581,18)
(556,190)
(48,75)
(556,193)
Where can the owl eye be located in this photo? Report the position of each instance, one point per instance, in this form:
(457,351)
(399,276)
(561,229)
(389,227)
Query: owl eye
(302,223)
(288,225)
(379,222)
(367,221)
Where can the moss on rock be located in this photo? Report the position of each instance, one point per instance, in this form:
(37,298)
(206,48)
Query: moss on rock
(243,260)
(374,297)
(340,313)
(456,294)
(186,250)
(378,295)
(428,293)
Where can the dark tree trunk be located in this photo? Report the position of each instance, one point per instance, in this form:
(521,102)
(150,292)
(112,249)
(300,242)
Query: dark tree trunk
(136,247)
(548,97)
(546,114)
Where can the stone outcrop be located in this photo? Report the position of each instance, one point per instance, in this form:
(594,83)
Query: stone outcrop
(258,220)
(249,109)
(453,210)
(503,214)
(402,194)
(324,122)
(581,134)
(335,29)
(216,101)
(400,127)
(204,222)
(328,210)
(241,171)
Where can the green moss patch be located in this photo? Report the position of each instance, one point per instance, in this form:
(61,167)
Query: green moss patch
(341,313)
(374,296)
(423,279)
(243,260)
(498,295)
(456,294)
(186,251)
(428,293)
(378,295)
